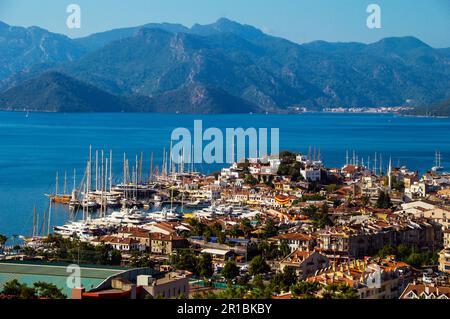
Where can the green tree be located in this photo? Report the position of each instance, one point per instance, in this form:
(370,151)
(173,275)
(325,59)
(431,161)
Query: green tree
(258,265)
(115,258)
(205,266)
(284,249)
(340,291)
(384,201)
(138,260)
(387,250)
(270,229)
(16,290)
(321,219)
(185,259)
(289,276)
(243,280)
(305,289)
(197,228)
(337,203)
(229,293)
(410,255)
(235,231)
(48,291)
(249,179)
(230,270)
(269,250)
(246,227)
(3,240)
(74,251)
(282,281)
(258,281)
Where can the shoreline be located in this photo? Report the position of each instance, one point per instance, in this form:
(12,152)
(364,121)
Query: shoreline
(221,114)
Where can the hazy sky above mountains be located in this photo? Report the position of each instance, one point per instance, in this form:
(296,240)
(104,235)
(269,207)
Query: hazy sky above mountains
(296,20)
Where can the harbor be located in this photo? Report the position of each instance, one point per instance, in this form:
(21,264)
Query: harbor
(170,193)
(287,211)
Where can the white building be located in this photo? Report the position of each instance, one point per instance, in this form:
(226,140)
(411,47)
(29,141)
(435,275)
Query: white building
(311,174)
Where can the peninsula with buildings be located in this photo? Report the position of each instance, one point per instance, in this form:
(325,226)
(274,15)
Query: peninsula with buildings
(277,227)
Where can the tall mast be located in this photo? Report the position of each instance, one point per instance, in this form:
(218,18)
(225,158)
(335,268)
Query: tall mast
(42,228)
(57,182)
(381,164)
(140,168)
(89,180)
(390,174)
(164,162)
(37,225)
(106,174)
(375,163)
(136,173)
(171,198)
(192,160)
(102,174)
(34,222)
(49,218)
(74,178)
(65,182)
(182,161)
(170,158)
(435,158)
(96,170)
(110,169)
(124,172)
(151,167)
(233,155)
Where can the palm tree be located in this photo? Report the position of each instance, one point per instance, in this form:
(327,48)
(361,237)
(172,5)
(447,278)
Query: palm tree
(3,240)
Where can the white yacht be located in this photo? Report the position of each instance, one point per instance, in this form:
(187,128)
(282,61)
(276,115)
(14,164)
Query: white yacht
(124,217)
(89,204)
(198,204)
(82,230)
(166,214)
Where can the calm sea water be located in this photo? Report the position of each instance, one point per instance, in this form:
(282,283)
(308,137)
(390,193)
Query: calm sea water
(33,148)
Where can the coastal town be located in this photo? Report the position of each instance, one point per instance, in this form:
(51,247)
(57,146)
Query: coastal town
(276,227)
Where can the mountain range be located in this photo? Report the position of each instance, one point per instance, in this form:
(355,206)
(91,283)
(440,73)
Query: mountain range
(224,67)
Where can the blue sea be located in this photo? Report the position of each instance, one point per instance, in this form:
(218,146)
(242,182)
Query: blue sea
(34,147)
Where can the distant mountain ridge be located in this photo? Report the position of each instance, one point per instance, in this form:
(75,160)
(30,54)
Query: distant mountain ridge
(228,67)
(56,92)
(21,48)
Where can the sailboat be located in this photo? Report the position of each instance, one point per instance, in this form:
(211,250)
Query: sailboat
(74,203)
(88,202)
(437,161)
(57,197)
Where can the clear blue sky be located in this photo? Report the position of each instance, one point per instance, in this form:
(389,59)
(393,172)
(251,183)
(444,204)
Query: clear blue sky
(297,20)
